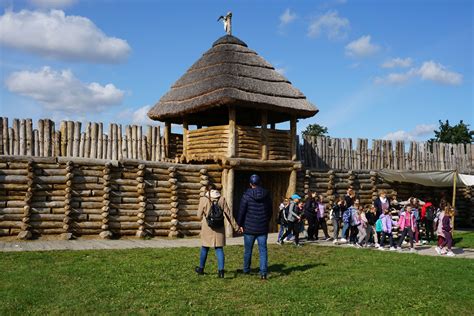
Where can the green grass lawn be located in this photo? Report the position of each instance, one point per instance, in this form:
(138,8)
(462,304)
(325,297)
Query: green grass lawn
(311,279)
(464,239)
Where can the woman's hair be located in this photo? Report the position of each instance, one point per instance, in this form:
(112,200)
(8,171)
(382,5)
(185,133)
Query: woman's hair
(448,210)
(386,211)
(382,192)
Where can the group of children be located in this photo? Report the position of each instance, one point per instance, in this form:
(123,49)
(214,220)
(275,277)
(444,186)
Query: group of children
(370,225)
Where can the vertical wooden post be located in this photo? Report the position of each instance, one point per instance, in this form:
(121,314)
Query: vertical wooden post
(70,139)
(185,139)
(87,145)
(159,153)
(232,133)
(139,140)
(167,134)
(230,199)
(174,202)
(22,138)
(100,141)
(16,137)
(264,135)
(106,233)
(29,137)
(293,137)
(6,139)
(141,232)
(94,140)
(292,182)
(1,137)
(25,232)
(68,213)
(77,138)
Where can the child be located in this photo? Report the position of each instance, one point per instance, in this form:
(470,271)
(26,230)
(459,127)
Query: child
(378,232)
(355,222)
(294,217)
(387,224)
(446,226)
(282,218)
(346,220)
(362,228)
(407,224)
(337,211)
(321,218)
(371,219)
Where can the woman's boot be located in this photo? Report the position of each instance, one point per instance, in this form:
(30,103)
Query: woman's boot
(199,270)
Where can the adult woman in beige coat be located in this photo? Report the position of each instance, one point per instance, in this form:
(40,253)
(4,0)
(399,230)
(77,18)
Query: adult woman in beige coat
(213,237)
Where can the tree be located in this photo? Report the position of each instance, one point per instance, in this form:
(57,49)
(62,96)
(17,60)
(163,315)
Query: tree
(315,130)
(457,134)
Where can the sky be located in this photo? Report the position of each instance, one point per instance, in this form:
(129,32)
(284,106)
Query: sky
(375,69)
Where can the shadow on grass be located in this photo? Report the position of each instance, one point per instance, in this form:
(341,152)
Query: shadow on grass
(278,270)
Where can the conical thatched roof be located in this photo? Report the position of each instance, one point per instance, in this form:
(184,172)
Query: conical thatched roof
(231,74)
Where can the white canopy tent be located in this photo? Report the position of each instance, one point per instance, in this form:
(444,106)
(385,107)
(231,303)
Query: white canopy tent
(429,178)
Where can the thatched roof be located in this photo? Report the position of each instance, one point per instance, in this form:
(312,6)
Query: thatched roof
(231,74)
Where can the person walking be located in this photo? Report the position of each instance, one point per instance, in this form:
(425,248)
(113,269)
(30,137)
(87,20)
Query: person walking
(336,214)
(447,227)
(254,217)
(321,218)
(407,224)
(310,214)
(371,220)
(381,204)
(294,218)
(213,211)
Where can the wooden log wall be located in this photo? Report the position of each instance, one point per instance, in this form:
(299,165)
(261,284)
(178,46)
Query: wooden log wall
(338,153)
(367,185)
(249,143)
(278,144)
(208,142)
(71,197)
(73,139)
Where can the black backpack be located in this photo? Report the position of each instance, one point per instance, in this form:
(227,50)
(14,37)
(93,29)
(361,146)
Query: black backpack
(430,213)
(215,216)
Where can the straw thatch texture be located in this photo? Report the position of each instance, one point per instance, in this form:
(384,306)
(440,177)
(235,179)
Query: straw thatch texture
(231,74)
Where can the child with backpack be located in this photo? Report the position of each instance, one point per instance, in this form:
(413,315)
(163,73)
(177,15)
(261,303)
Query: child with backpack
(363,228)
(387,224)
(213,210)
(355,222)
(346,221)
(378,231)
(371,215)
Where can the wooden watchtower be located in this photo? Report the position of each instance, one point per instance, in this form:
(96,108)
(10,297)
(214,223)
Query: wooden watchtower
(228,104)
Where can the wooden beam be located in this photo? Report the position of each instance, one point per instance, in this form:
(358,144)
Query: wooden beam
(292,183)
(232,133)
(230,199)
(167,134)
(185,139)
(264,135)
(293,137)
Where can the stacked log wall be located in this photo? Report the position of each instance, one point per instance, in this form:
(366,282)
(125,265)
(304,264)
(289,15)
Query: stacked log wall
(79,197)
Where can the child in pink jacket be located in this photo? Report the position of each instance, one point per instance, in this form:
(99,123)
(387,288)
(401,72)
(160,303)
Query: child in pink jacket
(407,224)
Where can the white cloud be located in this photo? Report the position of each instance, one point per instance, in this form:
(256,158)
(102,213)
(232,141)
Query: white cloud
(398,62)
(331,24)
(56,4)
(137,117)
(431,70)
(62,91)
(361,47)
(54,34)
(396,78)
(419,132)
(287,17)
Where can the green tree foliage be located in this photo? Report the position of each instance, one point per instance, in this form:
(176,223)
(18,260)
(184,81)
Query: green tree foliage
(457,134)
(315,130)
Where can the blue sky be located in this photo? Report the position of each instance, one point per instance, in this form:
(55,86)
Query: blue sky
(375,69)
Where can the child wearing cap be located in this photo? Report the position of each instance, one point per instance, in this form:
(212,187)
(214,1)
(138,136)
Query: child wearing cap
(293,218)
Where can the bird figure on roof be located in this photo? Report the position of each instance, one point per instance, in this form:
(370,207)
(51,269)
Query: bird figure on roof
(227,20)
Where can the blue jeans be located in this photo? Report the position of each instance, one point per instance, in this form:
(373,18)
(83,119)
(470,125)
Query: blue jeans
(219,255)
(249,241)
(345,234)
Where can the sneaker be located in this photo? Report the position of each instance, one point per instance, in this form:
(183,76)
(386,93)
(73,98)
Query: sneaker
(280,242)
(393,248)
(327,239)
(418,244)
(412,250)
(377,245)
(298,245)
(443,252)
(343,240)
(450,254)
(381,248)
(357,245)
(438,250)
(405,242)
(399,249)
(424,242)
(334,241)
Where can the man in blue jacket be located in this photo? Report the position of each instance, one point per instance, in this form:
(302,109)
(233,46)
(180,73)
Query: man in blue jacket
(254,217)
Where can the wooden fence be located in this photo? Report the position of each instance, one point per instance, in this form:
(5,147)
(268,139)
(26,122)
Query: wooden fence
(131,142)
(338,153)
